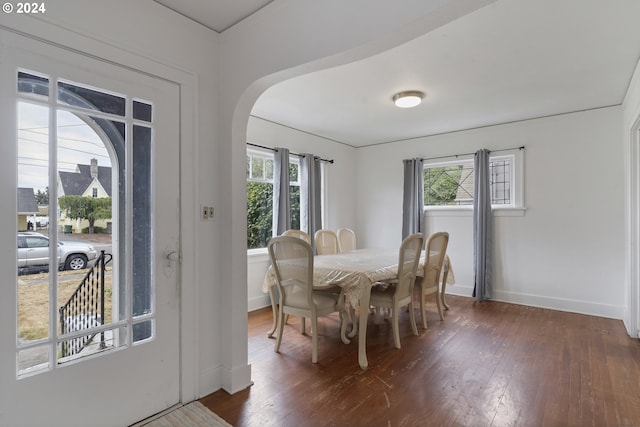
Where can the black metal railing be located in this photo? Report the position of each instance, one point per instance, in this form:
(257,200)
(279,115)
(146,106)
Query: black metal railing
(85,308)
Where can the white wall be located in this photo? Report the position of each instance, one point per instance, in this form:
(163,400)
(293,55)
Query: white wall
(340,182)
(567,252)
(631,146)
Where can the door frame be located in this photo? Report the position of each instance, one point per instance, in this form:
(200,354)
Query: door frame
(633,258)
(80,44)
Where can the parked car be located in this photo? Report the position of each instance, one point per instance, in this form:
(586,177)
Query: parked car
(33,253)
(38,221)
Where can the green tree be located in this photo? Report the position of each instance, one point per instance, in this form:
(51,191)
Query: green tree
(295,206)
(259,214)
(441,185)
(294,196)
(42,197)
(89,208)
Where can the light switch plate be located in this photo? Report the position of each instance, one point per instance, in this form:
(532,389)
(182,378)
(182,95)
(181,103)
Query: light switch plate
(208,212)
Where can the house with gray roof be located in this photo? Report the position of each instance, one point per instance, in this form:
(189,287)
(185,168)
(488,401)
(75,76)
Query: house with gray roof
(27,206)
(87,180)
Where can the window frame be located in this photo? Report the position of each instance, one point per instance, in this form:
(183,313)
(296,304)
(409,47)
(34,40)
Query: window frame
(268,155)
(515,208)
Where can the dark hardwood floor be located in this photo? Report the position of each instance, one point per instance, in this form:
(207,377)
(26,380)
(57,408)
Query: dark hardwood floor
(486,364)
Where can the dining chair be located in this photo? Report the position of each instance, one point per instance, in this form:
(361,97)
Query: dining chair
(326,242)
(299,234)
(346,239)
(304,236)
(397,293)
(292,261)
(429,283)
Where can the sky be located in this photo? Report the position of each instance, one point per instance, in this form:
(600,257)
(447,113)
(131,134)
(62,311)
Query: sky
(78,143)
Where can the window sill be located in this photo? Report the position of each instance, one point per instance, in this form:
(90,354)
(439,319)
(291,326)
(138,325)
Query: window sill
(257,255)
(451,211)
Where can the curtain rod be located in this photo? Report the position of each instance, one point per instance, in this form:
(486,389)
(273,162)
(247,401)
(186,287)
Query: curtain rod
(469,154)
(295,154)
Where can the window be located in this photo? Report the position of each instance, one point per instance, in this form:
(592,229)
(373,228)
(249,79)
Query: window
(260,197)
(81,316)
(449,184)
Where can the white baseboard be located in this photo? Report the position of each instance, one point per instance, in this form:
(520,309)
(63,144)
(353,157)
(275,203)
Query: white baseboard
(561,304)
(209,381)
(218,378)
(256,303)
(236,379)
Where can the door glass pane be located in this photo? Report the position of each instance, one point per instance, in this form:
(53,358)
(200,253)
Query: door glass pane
(141,111)
(142,228)
(32,229)
(85,279)
(78,96)
(34,359)
(142,331)
(31,84)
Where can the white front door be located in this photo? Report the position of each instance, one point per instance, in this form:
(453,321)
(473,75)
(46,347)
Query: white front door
(90,161)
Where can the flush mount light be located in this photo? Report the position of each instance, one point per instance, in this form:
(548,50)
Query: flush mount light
(408,99)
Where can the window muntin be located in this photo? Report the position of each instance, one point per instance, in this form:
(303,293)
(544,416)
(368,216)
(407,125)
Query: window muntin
(450,184)
(260,197)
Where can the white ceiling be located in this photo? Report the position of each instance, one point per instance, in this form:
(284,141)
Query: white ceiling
(512,60)
(218,15)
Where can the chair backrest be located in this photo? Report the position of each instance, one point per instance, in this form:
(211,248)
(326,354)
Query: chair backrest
(326,242)
(408,261)
(346,240)
(299,234)
(292,261)
(436,252)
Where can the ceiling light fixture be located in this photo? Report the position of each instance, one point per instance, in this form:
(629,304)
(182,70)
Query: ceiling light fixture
(408,99)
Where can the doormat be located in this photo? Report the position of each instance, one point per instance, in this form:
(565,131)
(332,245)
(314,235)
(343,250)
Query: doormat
(194,414)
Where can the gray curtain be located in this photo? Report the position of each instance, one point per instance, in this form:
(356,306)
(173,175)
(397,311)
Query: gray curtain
(281,198)
(413,198)
(482,227)
(310,195)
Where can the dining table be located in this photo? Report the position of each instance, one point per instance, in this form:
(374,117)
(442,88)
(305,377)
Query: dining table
(355,272)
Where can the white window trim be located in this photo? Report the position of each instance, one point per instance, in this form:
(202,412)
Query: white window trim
(257,253)
(268,154)
(516,208)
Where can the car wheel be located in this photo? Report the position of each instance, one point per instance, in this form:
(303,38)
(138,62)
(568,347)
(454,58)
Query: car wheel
(76,262)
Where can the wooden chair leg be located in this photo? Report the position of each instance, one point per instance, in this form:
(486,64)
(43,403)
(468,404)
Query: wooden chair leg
(354,322)
(444,287)
(343,326)
(314,340)
(423,310)
(439,305)
(280,330)
(274,311)
(396,329)
(412,318)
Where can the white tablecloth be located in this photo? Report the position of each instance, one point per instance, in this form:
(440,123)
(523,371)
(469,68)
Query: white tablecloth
(353,270)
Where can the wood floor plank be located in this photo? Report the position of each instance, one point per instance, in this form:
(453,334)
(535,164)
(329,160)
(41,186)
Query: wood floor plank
(487,364)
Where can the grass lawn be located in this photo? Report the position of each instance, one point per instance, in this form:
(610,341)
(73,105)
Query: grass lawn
(33,300)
